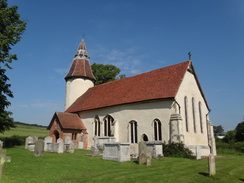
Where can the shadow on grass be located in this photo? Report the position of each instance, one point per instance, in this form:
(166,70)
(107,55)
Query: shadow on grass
(204,174)
(242,180)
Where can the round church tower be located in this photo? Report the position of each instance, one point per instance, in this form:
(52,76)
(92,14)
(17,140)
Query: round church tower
(80,77)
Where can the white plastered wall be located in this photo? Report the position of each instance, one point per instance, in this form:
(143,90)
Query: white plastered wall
(143,113)
(75,88)
(190,89)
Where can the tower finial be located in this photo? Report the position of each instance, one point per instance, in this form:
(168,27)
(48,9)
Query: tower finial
(81,52)
(189,54)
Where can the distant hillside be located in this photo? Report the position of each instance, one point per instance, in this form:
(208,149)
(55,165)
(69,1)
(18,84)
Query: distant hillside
(23,129)
(22,123)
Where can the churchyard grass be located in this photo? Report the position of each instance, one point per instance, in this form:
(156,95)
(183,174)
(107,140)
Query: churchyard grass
(26,130)
(78,167)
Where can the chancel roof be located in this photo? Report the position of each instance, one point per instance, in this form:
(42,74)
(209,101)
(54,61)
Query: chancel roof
(157,84)
(68,121)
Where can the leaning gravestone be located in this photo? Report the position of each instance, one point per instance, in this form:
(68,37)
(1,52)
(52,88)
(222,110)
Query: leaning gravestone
(211,165)
(144,155)
(47,140)
(39,148)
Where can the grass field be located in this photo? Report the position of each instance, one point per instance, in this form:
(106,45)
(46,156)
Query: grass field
(78,167)
(26,130)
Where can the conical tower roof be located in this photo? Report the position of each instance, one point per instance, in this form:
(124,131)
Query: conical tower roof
(81,67)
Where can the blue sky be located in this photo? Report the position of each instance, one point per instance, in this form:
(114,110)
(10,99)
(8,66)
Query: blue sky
(135,35)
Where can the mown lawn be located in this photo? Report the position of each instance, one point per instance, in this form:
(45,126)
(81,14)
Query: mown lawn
(25,130)
(78,167)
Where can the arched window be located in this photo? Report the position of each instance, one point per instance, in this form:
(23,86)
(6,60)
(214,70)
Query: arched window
(200,115)
(186,112)
(144,137)
(157,130)
(109,126)
(97,124)
(193,114)
(133,132)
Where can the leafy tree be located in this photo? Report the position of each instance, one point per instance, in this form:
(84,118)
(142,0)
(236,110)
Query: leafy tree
(11,29)
(105,73)
(218,130)
(240,132)
(230,136)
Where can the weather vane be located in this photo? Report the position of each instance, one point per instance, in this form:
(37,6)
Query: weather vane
(189,54)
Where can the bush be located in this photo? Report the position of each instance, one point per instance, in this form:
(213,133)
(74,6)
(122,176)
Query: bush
(177,150)
(12,141)
(238,146)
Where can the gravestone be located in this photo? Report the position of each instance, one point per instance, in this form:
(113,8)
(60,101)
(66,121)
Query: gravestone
(80,145)
(47,140)
(211,165)
(149,159)
(143,153)
(116,151)
(69,147)
(156,149)
(60,145)
(39,148)
(1,144)
(134,150)
(3,158)
(30,143)
(94,149)
(67,139)
(198,152)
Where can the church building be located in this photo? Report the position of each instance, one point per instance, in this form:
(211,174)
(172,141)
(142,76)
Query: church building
(165,105)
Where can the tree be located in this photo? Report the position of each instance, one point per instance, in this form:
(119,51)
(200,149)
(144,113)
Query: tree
(218,130)
(11,29)
(105,73)
(240,132)
(230,136)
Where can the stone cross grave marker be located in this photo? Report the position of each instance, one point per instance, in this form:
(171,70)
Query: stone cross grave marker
(211,165)
(39,148)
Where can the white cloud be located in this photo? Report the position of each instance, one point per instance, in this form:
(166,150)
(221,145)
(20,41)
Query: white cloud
(128,60)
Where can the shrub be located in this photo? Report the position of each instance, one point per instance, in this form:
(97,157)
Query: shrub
(12,141)
(177,150)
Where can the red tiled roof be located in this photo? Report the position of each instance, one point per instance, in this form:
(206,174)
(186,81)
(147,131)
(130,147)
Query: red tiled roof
(68,121)
(80,68)
(157,84)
